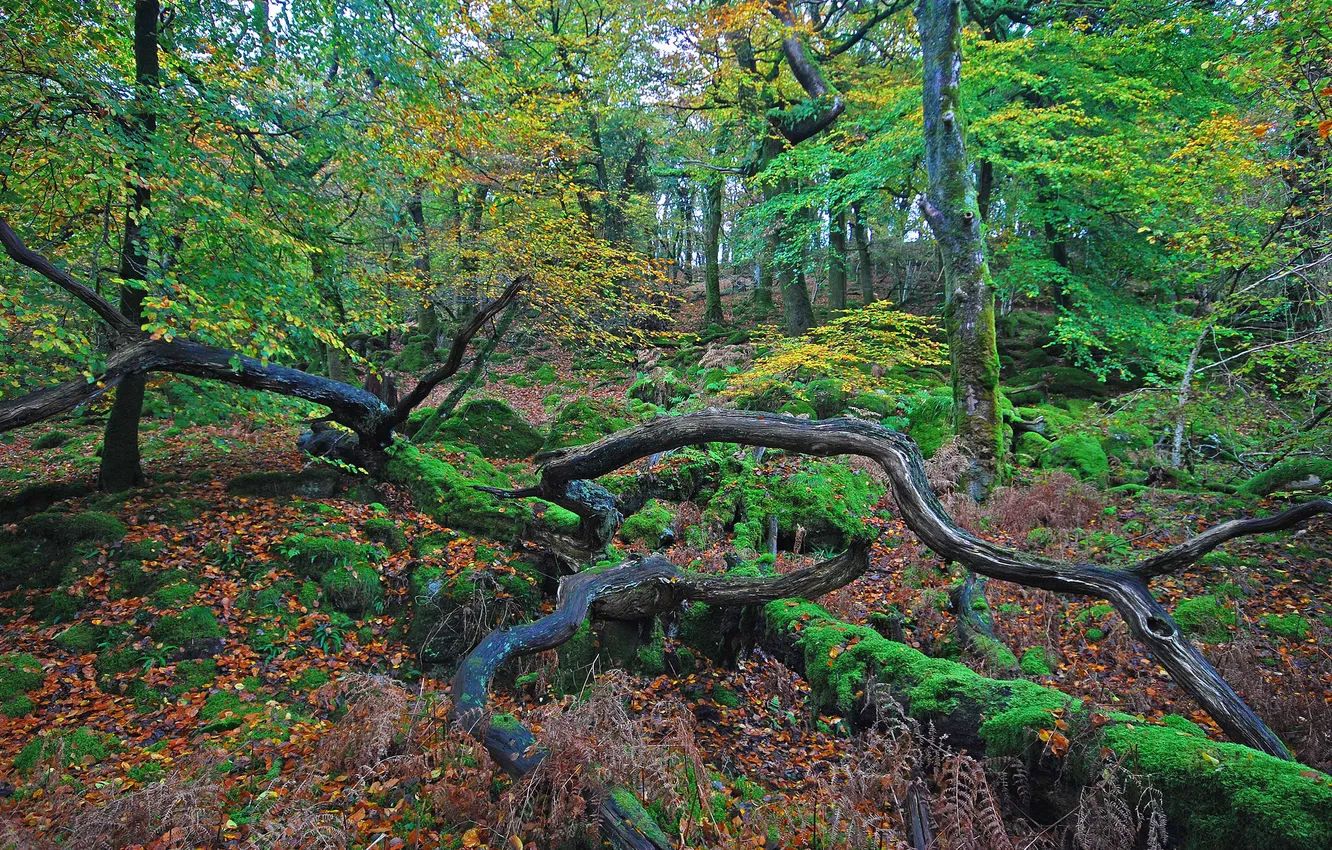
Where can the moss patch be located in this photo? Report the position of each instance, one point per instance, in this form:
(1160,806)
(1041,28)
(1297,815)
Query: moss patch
(353,589)
(1205,617)
(441,490)
(493,427)
(649,524)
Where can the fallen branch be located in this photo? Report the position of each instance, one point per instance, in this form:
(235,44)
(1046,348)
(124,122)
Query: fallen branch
(900,458)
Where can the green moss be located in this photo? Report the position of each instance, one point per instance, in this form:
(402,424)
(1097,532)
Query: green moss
(194,624)
(1094,635)
(1205,617)
(310,679)
(45,547)
(385,531)
(637,817)
(652,657)
(724,696)
(89,526)
(82,638)
(51,440)
(702,630)
(576,656)
(174,595)
(563,521)
(311,555)
(1288,626)
(57,607)
(81,746)
(1079,453)
(194,675)
(442,599)
(584,420)
(1220,796)
(220,703)
(1030,447)
(115,662)
(353,589)
(930,419)
(493,427)
(141,550)
(1035,662)
(649,524)
(451,498)
(19,675)
(1298,471)
(318,482)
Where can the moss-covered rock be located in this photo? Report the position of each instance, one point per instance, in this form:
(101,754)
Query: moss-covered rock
(82,638)
(317,482)
(45,546)
(352,588)
(441,490)
(649,525)
(493,427)
(829,499)
(1306,473)
(20,675)
(312,555)
(1029,448)
(385,532)
(585,420)
(1079,453)
(193,630)
(1205,617)
(453,609)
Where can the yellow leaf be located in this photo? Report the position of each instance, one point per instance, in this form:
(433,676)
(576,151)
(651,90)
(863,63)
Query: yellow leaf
(472,838)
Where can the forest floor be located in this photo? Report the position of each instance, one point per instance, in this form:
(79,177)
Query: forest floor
(259,743)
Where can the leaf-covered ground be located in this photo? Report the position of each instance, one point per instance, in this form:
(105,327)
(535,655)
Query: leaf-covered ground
(289,722)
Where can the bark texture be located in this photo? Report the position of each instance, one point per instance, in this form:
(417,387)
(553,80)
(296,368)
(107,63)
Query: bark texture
(951,208)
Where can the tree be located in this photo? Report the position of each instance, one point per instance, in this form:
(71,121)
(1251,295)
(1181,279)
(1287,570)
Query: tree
(950,208)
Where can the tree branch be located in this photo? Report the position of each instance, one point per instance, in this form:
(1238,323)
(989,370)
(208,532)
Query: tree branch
(1178,557)
(25,256)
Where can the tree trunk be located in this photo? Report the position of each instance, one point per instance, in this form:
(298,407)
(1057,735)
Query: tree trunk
(837,261)
(1182,403)
(950,208)
(795,301)
(712,312)
(864,268)
(120,467)
(427,321)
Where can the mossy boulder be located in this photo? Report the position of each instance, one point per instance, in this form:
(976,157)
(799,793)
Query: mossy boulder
(82,638)
(385,532)
(1029,448)
(650,525)
(494,428)
(1306,473)
(317,482)
(442,490)
(416,355)
(312,555)
(1036,662)
(828,499)
(194,631)
(45,546)
(453,609)
(20,675)
(1081,454)
(352,588)
(585,420)
(1067,381)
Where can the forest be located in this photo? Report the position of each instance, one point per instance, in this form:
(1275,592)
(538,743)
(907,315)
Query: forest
(745,424)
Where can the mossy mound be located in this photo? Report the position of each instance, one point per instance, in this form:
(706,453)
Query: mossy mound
(585,420)
(312,555)
(353,588)
(450,497)
(82,638)
(38,498)
(77,747)
(452,611)
(1035,662)
(194,631)
(20,675)
(385,532)
(650,525)
(1287,626)
(45,546)
(1068,381)
(494,428)
(1081,454)
(318,482)
(417,353)
(1205,617)
(828,499)
(1029,448)
(1306,473)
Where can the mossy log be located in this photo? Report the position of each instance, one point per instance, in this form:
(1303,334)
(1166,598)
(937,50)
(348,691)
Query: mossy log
(1124,587)
(627,592)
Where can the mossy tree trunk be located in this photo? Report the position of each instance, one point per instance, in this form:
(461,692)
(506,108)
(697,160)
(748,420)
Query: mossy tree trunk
(952,211)
(120,467)
(712,311)
(837,261)
(864,266)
